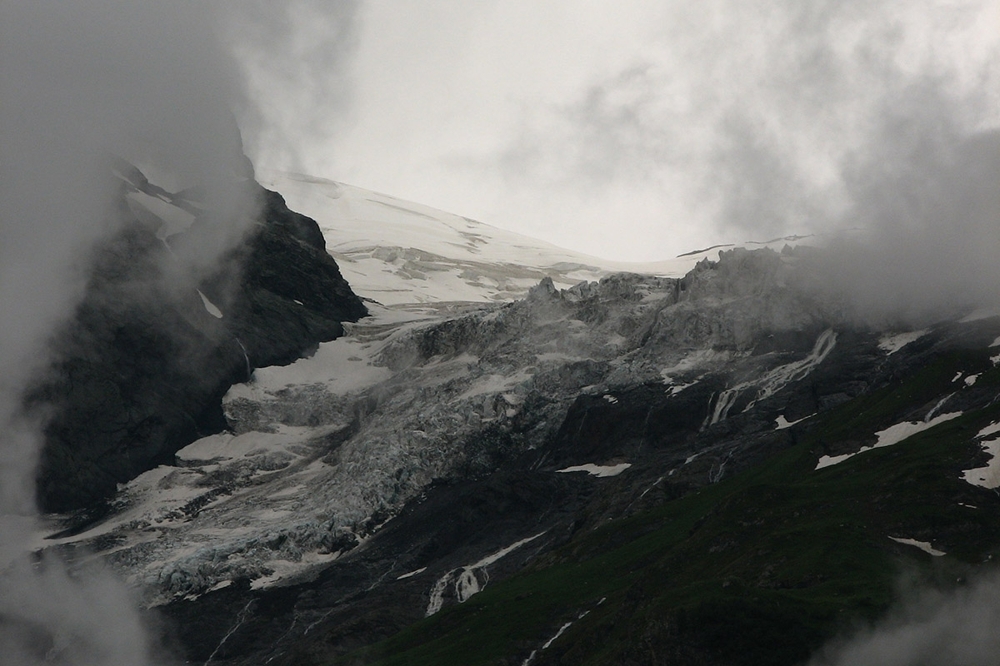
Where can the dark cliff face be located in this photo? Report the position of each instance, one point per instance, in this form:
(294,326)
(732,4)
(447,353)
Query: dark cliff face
(141,369)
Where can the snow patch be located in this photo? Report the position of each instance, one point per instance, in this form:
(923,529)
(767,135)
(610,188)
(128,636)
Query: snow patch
(283,569)
(601,471)
(971,380)
(781,422)
(345,365)
(891,344)
(210,306)
(562,630)
(655,483)
(980,313)
(412,574)
(168,218)
(226,446)
(988,476)
(989,431)
(559,633)
(466,579)
(891,435)
(897,433)
(922,545)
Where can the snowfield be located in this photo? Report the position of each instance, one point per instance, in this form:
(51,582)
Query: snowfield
(397,252)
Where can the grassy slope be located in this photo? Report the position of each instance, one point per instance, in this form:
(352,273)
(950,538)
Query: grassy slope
(759,569)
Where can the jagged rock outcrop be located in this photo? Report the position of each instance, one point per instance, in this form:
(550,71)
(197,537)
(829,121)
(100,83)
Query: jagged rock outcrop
(423,457)
(141,370)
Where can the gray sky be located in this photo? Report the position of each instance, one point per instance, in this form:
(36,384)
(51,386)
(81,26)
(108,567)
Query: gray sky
(629,129)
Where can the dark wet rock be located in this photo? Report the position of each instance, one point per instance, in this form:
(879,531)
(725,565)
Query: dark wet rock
(141,370)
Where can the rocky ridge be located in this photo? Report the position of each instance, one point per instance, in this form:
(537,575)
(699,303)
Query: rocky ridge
(141,369)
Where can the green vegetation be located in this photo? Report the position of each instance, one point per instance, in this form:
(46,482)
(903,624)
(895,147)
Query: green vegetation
(759,569)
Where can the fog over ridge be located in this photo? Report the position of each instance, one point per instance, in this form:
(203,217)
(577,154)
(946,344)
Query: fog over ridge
(642,129)
(82,84)
(646,129)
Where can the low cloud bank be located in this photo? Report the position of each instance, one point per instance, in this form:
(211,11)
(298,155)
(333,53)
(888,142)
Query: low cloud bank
(934,629)
(929,234)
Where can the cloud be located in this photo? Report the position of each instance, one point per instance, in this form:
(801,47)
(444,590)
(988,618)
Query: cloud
(80,83)
(294,58)
(641,129)
(932,216)
(950,629)
(83,81)
(754,113)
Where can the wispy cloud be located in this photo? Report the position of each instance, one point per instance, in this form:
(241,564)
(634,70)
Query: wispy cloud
(80,83)
(953,629)
(636,128)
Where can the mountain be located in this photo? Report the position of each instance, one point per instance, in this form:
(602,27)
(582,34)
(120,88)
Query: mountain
(527,456)
(401,253)
(141,369)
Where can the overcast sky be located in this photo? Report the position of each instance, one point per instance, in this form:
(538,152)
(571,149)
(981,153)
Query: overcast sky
(629,129)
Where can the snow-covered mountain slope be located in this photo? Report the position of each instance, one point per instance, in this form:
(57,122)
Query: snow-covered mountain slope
(322,452)
(422,458)
(454,435)
(398,252)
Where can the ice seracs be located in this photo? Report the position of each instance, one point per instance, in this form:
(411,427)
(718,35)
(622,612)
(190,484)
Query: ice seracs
(322,452)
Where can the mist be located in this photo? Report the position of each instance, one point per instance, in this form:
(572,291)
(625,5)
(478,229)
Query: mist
(932,628)
(294,59)
(83,83)
(928,238)
(639,130)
